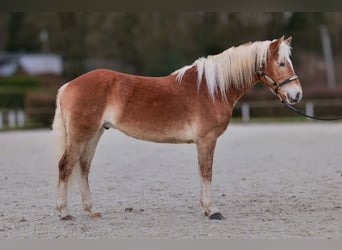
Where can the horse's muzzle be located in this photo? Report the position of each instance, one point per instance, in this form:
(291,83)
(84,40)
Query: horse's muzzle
(293,99)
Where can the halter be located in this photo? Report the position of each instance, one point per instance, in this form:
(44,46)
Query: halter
(276,85)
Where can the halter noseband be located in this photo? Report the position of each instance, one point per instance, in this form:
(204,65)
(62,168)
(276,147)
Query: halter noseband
(275,84)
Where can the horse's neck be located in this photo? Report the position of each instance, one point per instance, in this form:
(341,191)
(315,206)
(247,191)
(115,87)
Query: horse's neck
(234,93)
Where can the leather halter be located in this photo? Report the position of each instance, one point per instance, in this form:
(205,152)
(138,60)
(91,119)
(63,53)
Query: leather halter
(276,85)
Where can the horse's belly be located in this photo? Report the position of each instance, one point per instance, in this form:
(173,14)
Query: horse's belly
(151,132)
(158,118)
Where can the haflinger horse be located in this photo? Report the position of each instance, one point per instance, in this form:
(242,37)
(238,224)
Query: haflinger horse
(192,105)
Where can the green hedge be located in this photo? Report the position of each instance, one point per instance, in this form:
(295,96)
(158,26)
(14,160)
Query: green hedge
(12,99)
(19,82)
(13,89)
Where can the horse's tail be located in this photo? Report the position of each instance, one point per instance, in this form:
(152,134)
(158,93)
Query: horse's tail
(58,126)
(59,129)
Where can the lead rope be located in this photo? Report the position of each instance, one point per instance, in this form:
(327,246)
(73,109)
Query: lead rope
(290,107)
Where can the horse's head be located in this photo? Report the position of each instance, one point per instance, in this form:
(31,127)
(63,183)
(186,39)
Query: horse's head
(278,74)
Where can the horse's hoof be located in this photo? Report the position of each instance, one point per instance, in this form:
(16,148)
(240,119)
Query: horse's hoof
(95,215)
(68,217)
(216,216)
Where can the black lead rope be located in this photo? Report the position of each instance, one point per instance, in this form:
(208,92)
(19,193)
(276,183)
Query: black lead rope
(289,106)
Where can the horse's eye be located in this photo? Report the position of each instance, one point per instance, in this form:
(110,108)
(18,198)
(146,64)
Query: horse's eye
(281,64)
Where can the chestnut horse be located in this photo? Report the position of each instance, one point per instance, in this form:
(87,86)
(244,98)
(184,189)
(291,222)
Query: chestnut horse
(192,105)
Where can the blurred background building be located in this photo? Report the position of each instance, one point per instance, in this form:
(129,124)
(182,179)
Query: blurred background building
(41,51)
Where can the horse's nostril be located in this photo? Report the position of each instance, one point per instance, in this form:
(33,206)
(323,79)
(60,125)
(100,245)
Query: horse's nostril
(298,96)
(294,99)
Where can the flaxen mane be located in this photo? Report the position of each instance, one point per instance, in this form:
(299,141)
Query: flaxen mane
(235,66)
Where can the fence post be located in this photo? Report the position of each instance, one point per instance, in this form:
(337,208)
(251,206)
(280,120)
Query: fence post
(11,119)
(245,112)
(309,108)
(21,118)
(1,121)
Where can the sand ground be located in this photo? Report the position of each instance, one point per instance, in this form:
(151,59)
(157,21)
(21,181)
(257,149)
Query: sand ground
(270,181)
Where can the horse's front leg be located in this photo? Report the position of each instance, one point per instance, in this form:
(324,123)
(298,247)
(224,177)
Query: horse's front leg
(205,148)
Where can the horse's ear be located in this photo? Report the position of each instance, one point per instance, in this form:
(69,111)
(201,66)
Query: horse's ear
(274,46)
(288,40)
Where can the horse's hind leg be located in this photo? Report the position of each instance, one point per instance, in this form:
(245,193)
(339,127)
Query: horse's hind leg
(66,164)
(85,162)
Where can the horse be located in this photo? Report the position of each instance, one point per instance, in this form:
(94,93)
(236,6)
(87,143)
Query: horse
(191,105)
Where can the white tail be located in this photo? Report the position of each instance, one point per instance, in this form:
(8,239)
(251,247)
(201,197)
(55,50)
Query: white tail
(60,137)
(58,126)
